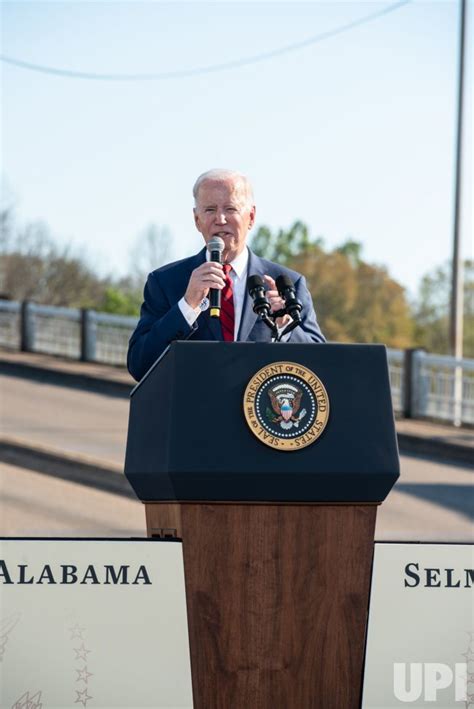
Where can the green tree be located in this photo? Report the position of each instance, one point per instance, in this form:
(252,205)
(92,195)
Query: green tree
(432,314)
(351,249)
(355,301)
(121,301)
(283,245)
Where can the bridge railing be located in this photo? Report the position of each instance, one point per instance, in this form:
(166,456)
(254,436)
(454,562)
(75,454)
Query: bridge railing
(71,332)
(10,324)
(423,385)
(443,388)
(396,370)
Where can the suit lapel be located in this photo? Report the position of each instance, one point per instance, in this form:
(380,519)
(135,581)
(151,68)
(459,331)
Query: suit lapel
(249,318)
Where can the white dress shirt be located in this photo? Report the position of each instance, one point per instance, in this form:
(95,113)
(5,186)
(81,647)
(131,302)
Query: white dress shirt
(238,276)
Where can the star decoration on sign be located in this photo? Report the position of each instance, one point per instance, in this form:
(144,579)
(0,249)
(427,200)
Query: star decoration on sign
(81,653)
(82,665)
(27,702)
(82,697)
(6,626)
(76,632)
(83,675)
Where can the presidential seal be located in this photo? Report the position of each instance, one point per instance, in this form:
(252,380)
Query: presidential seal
(286,406)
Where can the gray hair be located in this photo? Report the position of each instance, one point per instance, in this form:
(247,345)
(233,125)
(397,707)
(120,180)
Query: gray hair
(218,174)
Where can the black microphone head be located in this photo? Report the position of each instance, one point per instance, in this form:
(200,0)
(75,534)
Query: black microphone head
(283,283)
(254,282)
(215,244)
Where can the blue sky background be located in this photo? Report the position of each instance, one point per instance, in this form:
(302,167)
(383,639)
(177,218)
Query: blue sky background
(353,135)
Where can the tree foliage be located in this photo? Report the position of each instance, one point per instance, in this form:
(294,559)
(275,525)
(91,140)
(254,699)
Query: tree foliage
(431,310)
(33,267)
(355,301)
(283,245)
(121,299)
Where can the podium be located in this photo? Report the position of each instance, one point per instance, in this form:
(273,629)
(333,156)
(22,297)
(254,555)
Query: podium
(268,461)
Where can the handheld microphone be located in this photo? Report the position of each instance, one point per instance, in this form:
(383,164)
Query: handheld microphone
(215,246)
(286,289)
(256,289)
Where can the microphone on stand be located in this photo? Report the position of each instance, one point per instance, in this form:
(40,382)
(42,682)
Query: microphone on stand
(256,289)
(293,305)
(286,289)
(215,246)
(261,305)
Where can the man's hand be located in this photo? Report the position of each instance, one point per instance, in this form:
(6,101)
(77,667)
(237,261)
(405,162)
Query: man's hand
(207,275)
(276,301)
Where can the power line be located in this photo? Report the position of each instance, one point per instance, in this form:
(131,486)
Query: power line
(233,64)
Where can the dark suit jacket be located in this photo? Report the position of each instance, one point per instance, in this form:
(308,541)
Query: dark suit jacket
(161,320)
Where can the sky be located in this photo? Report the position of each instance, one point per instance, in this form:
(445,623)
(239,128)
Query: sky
(354,133)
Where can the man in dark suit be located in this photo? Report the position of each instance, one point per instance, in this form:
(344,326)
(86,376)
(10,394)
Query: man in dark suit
(176,306)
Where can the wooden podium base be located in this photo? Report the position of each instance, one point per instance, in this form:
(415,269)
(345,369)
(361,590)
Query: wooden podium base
(277,601)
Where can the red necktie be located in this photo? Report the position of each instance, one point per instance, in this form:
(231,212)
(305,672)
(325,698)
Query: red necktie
(227,307)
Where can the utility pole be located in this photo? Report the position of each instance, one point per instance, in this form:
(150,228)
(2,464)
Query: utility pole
(457,294)
(456,319)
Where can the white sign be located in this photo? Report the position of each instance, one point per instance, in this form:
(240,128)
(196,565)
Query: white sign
(420,644)
(97,623)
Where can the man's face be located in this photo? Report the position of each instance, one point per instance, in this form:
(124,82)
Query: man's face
(222,209)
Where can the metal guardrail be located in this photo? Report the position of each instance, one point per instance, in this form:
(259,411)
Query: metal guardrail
(10,321)
(423,385)
(71,332)
(112,333)
(396,370)
(443,388)
(52,330)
